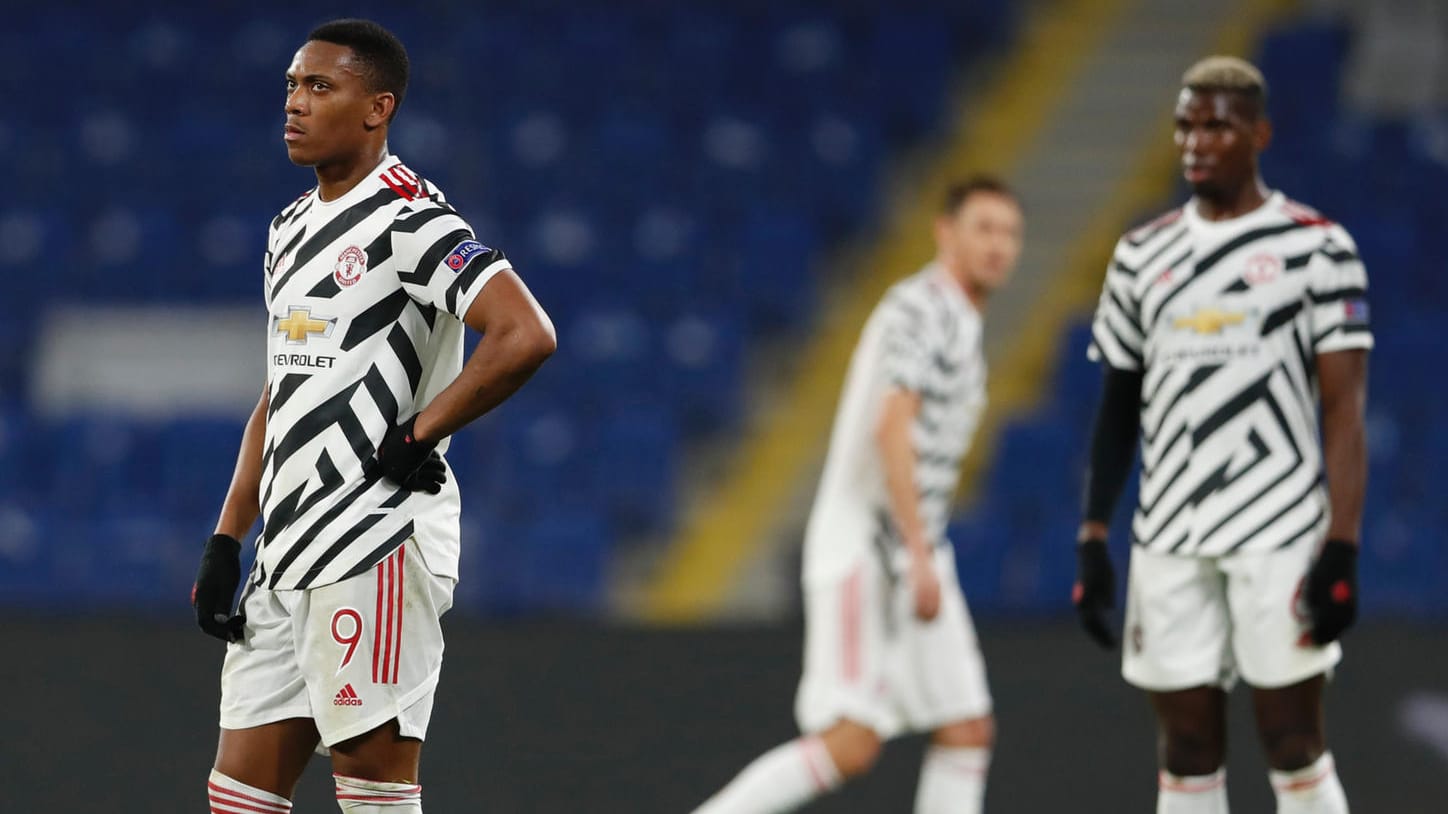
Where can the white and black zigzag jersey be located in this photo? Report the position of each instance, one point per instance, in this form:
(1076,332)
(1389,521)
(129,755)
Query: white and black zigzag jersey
(365,294)
(1226,320)
(924,337)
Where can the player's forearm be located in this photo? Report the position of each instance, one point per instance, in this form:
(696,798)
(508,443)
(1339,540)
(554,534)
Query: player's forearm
(243,498)
(1113,449)
(897,454)
(1345,456)
(505,358)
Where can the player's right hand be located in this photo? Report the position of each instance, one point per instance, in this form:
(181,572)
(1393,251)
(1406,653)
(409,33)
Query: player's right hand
(411,463)
(215,588)
(1095,590)
(924,586)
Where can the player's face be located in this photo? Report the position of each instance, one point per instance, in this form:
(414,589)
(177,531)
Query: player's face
(984,238)
(1219,135)
(330,113)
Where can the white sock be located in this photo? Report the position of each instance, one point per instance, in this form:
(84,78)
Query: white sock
(358,796)
(229,796)
(952,780)
(1199,794)
(1313,790)
(782,779)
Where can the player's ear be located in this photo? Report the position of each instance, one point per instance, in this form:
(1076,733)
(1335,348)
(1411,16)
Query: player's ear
(382,106)
(1262,132)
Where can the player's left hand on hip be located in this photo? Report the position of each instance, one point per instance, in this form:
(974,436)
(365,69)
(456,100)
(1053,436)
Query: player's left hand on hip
(1331,591)
(216,580)
(409,462)
(925,586)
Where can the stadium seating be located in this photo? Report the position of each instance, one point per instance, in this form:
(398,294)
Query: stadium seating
(1383,180)
(664,177)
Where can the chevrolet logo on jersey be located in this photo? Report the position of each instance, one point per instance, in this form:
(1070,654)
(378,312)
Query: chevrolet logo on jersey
(299,325)
(1208,321)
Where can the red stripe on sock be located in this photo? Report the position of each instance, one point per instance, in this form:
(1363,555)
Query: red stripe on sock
(814,772)
(1190,788)
(270,805)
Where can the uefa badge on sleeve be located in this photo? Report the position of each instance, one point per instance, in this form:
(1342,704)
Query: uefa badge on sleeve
(351,263)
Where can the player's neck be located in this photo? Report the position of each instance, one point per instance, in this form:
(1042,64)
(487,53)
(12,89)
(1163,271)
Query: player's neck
(337,178)
(1225,206)
(976,293)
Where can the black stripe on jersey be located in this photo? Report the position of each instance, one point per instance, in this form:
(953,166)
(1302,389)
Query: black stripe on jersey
(1339,255)
(897,301)
(1282,316)
(397,499)
(381,395)
(1205,264)
(292,244)
(320,419)
(1249,395)
(944,365)
(1345,329)
(381,552)
(332,480)
(469,275)
(1286,508)
(374,318)
(1150,261)
(1339,294)
(266,458)
(1145,233)
(363,526)
(934,459)
(335,228)
(378,252)
(410,222)
(1125,312)
(310,535)
(281,516)
(1250,499)
(1171,295)
(294,210)
(406,354)
(429,260)
(286,386)
(1198,377)
(1218,479)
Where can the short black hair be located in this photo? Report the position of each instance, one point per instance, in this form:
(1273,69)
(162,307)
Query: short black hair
(384,61)
(960,191)
(1228,74)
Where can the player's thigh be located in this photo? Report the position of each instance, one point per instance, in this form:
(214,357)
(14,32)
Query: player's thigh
(939,678)
(382,754)
(270,757)
(845,650)
(371,648)
(1178,627)
(1193,726)
(1270,622)
(261,678)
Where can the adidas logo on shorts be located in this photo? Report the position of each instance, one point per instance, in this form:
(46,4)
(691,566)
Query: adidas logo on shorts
(347,697)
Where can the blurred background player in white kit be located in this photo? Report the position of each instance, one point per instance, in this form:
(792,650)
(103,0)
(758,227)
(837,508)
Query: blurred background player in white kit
(889,643)
(1223,326)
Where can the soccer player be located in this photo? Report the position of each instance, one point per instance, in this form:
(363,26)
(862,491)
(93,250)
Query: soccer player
(889,643)
(369,279)
(1223,326)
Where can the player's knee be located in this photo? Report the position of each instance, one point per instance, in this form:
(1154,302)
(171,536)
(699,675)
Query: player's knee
(1190,753)
(854,748)
(975,733)
(1289,751)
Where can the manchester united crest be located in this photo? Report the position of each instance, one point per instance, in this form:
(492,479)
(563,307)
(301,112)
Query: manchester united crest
(351,263)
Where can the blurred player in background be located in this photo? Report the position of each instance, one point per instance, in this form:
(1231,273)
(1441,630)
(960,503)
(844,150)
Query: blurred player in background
(369,279)
(1221,327)
(889,643)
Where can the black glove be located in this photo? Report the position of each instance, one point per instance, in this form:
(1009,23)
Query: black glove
(1095,591)
(1331,591)
(409,462)
(215,588)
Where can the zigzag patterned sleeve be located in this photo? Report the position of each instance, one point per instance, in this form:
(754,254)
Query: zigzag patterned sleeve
(1338,294)
(1116,332)
(440,263)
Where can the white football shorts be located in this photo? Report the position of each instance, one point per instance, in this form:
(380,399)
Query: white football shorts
(869,659)
(1194,621)
(352,655)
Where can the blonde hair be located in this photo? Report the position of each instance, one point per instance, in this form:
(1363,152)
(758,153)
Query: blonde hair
(1225,73)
